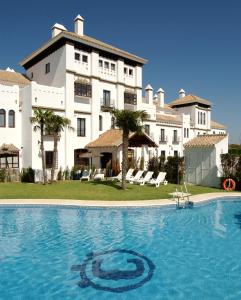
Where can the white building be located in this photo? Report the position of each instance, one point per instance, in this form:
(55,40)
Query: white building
(83,79)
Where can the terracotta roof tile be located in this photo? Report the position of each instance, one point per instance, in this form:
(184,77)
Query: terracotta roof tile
(216,125)
(11,78)
(110,138)
(169,119)
(206,140)
(189,99)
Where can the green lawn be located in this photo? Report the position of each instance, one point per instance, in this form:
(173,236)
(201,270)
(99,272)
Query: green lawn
(91,191)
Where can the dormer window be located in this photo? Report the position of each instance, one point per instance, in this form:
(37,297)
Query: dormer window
(47,68)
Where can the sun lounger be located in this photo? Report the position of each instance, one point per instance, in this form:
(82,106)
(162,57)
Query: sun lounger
(144,179)
(136,177)
(118,177)
(100,174)
(85,175)
(160,179)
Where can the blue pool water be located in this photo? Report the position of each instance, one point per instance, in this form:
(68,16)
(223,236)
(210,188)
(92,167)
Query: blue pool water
(151,253)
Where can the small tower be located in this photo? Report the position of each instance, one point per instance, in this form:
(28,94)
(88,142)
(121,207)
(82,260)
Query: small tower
(181,93)
(79,25)
(149,94)
(57,29)
(160,97)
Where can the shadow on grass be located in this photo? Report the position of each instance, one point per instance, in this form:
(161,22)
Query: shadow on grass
(113,184)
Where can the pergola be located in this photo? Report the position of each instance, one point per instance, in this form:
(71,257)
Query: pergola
(9,156)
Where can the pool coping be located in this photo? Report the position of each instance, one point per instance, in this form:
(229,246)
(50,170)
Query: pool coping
(201,198)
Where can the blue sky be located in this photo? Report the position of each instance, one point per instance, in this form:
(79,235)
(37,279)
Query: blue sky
(194,45)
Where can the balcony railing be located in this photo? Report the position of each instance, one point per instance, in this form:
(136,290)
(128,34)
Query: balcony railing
(176,140)
(107,104)
(163,139)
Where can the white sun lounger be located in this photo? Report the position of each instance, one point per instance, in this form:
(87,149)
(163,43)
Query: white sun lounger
(160,179)
(100,174)
(118,177)
(144,179)
(136,177)
(86,175)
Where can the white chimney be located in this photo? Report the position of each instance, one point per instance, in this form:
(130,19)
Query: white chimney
(182,93)
(57,29)
(149,93)
(79,25)
(160,97)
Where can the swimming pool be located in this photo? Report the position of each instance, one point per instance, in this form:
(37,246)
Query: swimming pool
(135,253)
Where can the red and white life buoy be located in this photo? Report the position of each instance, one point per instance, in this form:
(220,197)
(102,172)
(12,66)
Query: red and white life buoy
(229,184)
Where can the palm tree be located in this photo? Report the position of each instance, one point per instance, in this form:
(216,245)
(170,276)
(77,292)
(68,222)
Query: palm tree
(54,127)
(40,119)
(128,121)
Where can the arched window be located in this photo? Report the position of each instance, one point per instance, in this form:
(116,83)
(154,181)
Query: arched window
(112,123)
(100,123)
(2,118)
(11,119)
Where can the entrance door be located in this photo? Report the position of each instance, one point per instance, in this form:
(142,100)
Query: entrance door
(106,157)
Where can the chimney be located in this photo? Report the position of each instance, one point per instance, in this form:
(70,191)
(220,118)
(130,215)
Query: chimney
(182,93)
(79,25)
(149,94)
(57,29)
(160,97)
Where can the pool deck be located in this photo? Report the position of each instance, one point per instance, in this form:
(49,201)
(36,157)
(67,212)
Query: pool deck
(100,203)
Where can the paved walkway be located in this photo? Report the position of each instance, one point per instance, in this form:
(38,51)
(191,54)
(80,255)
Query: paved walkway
(123,203)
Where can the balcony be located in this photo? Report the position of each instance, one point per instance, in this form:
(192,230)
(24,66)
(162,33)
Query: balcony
(163,139)
(176,140)
(107,104)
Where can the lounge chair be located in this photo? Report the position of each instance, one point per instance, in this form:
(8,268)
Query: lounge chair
(86,175)
(160,179)
(100,174)
(144,179)
(136,177)
(118,177)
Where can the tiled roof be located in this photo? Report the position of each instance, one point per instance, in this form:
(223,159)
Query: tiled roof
(189,99)
(113,138)
(110,138)
(87,40)
(8,149)
(11,78)
(206,140)
(169,119)
(216,125)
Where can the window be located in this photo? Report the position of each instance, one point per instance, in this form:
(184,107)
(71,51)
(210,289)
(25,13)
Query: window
(85,58)
(9,162)
(112,123)
(80,127)
(106,98)
(31,76)
(163,153)
(2,118)
(175,153)
(47,68)
(106,65)
(130,98)
(100,63)
(185,132)
(11,119)
(82,89)
(125,70)
(204,118)
(147,129)
(49,159)
(112,67)
(76,56)
(162,135)
(100,123)
(130,72)
(175,135)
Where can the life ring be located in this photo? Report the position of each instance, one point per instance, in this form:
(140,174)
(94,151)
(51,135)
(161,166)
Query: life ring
(229,184)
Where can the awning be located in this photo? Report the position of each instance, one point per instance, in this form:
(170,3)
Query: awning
(89,155)
(8,149)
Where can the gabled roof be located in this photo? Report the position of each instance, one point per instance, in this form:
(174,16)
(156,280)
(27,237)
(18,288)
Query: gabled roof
(86,40)
(12,78)
(113,138)
(216,125)
(190,99)
(206,140)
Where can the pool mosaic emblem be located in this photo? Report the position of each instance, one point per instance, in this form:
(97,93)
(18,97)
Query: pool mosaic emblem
(115,271)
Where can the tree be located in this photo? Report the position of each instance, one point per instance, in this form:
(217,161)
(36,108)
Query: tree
(128,121)
(54,127)
(40,119)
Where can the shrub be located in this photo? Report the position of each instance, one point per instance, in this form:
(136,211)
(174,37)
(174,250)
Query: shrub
(175,169)
(60,174)
(28,175)
(153,165)
(66,174)
(2,175)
